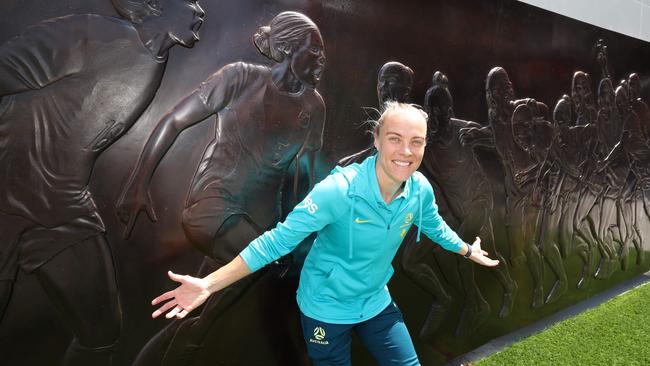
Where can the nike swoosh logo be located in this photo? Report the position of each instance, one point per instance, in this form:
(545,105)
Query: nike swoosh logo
(360,221)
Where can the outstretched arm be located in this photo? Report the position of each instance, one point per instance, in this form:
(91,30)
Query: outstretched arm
(321,207)
(135,196)
(211,96)
(478,255)
(477,136)
(435,227)
(193,291)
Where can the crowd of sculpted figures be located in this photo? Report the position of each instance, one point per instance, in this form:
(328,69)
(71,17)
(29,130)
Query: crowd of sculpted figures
(575,182)
(572,182)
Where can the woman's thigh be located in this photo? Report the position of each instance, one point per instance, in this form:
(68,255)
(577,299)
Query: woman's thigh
(327,344)
(387,338)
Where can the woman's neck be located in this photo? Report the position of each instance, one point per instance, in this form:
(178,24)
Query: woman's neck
(156,42)
(284,79)
(388,188)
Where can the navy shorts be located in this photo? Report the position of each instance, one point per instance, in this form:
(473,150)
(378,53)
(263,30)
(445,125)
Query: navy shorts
(385,336)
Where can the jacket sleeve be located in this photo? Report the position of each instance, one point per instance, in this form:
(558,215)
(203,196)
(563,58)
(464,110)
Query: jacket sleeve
(433,225)
(323,205)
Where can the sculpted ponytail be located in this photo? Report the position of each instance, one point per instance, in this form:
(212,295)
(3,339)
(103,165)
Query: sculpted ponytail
(262,41)
(285,32)
(136,10)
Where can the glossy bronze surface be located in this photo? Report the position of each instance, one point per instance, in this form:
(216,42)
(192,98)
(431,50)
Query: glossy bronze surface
(539,143)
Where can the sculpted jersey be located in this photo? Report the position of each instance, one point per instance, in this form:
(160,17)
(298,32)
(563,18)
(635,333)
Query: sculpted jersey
(259,132)
(69,87)
(77,83)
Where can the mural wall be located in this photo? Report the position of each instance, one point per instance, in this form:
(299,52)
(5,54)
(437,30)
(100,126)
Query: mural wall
(139,137)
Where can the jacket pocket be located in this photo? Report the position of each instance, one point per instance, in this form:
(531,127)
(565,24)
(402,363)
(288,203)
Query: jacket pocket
(342,285)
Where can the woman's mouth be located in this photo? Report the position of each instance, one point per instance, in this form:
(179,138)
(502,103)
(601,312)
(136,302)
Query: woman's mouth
(402,163)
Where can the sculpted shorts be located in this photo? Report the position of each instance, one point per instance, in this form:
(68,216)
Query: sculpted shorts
(30,246)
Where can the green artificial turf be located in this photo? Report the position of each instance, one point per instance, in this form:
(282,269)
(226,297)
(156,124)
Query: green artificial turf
(614,333)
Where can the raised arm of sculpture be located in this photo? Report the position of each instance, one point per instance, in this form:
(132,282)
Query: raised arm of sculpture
(477,137)
(135,196)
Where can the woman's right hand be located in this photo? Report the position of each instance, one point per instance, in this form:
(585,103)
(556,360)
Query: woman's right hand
(134,198)
(189,295)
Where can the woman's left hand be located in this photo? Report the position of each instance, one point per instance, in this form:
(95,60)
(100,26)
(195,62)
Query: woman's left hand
(480,256)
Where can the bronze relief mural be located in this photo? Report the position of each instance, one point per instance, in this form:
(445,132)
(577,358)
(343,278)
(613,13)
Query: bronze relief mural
(538,142)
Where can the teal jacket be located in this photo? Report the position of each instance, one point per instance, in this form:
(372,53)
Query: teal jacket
(345,274)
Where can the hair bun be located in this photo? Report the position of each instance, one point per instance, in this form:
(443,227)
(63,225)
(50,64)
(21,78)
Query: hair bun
(261,39)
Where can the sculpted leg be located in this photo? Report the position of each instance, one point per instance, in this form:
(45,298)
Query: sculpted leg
(476,309)
(189,335)
(80,282)
(11,228)
(533,255)
(501,272)
(424,276)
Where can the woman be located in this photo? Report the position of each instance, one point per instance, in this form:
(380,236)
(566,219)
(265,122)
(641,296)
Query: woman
(361,214)
(267,117)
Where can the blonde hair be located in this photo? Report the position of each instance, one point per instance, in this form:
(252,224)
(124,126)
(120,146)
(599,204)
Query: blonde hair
(392,107)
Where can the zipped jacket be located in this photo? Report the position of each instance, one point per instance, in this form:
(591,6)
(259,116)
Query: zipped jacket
(343,280)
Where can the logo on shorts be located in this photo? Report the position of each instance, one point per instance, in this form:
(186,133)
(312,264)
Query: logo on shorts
(359,220)
(319,335)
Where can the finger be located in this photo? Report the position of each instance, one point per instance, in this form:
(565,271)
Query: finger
(168,305)
(484,252)
(175,277)
(182,314)
(173,313)
(490,262)
(167,295)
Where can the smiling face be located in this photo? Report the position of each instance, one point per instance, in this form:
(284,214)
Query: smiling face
(185,18)
(308,59)
(400,144)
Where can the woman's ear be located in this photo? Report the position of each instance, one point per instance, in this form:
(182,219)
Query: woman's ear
(375,139)
(284,47)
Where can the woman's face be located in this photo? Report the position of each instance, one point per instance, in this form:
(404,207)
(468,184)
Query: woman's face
(184,18)
(308,59)
(400,143)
